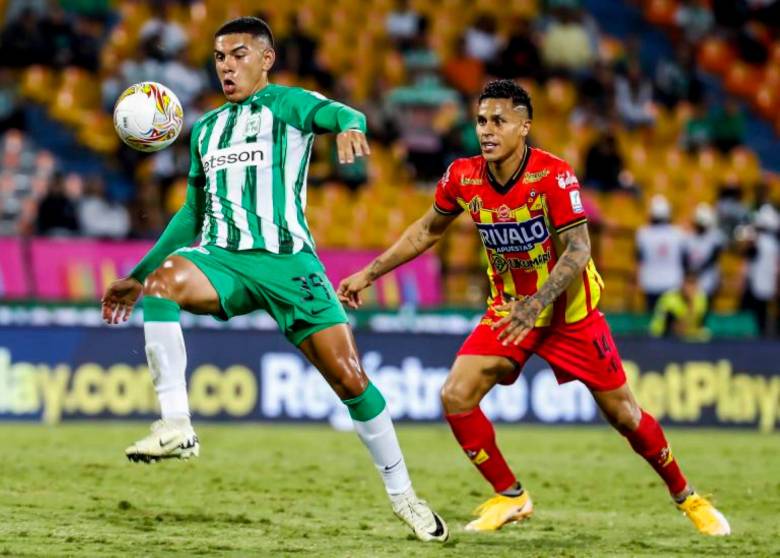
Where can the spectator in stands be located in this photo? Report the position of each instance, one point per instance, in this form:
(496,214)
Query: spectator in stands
(168,36)
(402,23)
(57,211)
(464,72)
(11,113)
(680,312)
(147,216)
(730,209)
(728,126)
(567,45)
(520,57)
(695,19)
(482,41)
(703,248)
(297,52)
(762,250)
(57,30)
(677,79)
(22,43)
(697,131)
(660,250)
(603,163)
(634,97)
(98,216)
(596,106)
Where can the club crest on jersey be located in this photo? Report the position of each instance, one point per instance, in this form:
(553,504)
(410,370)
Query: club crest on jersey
(513,237)
(253,126)
(565,179)
(531,177)
(475,205)
(499,263)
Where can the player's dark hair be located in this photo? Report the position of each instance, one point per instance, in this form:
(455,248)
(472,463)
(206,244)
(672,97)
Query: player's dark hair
(508,89)
(247,24)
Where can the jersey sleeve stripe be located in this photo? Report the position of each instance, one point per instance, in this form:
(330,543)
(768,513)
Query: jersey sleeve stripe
(571,225)
(441,211)
(308,124)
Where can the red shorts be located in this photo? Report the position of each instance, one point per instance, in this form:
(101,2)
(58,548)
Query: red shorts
(583,351)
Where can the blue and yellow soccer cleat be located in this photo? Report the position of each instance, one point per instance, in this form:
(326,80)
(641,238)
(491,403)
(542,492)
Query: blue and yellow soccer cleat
(707,519)
(501,510)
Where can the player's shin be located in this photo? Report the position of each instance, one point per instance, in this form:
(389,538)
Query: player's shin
(476,436)
(167,356)
(375,429)
(648,440)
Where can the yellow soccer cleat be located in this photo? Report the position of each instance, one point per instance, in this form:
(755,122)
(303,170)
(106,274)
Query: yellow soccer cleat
(500,510)
(707,519)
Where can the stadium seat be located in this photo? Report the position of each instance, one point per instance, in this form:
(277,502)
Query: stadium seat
(742,79)
(715,55)
(661,12)
(37,83)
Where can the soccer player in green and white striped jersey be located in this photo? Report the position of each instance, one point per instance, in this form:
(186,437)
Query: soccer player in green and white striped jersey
(246,199)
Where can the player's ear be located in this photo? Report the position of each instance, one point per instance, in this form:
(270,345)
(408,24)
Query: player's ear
(268,58)
(525,127)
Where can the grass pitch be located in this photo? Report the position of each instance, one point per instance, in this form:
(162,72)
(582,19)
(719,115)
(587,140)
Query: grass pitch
(310,491)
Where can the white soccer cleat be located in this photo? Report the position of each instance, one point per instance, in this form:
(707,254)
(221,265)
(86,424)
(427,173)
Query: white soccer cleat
(417,514)
(169,439)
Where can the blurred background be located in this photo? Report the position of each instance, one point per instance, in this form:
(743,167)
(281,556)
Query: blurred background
(667,109)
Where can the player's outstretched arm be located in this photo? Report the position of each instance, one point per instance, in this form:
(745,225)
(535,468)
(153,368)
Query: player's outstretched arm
(416,239)
(523,313)
(350,127)
(121,295)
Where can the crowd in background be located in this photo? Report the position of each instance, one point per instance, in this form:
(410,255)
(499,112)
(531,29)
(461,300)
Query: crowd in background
(429,119)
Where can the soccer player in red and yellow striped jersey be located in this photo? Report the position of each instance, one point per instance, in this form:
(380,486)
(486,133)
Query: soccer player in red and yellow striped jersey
(527,207)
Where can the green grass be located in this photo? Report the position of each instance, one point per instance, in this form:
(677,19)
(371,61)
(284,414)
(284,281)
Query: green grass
(310,491)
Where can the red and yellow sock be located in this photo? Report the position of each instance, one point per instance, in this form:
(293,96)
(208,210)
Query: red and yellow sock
(476,436)
(648,440)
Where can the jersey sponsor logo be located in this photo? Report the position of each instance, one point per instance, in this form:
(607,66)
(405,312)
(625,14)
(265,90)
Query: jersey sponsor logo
(576,201)
(565,179)
(504,212)
(502,264)
(242,154)
(513,237)
(531,177)
(464,181)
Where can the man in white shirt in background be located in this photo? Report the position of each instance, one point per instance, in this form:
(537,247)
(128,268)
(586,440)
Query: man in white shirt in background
(660,252)
(763,267)
(703,248)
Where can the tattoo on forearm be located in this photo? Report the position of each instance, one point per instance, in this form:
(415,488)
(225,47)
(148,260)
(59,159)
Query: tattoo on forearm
(573,260)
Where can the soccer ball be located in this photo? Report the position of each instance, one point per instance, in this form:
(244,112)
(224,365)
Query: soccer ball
(148,116)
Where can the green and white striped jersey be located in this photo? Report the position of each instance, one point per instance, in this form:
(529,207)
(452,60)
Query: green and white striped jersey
(252,159)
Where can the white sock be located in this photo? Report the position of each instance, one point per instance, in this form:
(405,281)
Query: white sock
(378,435)
(167,359)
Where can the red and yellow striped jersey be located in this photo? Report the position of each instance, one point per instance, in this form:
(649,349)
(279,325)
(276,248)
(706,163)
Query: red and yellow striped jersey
(519,224)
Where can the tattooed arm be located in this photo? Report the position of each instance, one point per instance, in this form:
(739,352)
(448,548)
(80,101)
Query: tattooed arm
(523,313)
(416,239)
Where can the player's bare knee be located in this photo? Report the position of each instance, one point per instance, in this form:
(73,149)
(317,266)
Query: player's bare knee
(626,416)
(163,283)
(350,383)
(455,398)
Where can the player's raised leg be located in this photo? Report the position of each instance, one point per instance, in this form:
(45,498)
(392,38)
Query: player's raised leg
(647,438)
(177,284)
(472,376)
(333,351)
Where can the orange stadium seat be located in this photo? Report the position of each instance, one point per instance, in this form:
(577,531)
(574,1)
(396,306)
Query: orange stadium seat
(715,55)
(742,79)
(37,83)
(660,12)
